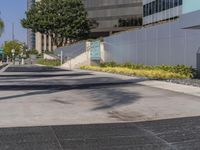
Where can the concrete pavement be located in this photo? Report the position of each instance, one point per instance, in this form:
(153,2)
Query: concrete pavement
(40,96)
(39,107)
(173,134)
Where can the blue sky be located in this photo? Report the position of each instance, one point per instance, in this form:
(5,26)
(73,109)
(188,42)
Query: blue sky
(12,11)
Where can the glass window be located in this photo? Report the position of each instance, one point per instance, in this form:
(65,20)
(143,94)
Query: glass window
(150,8)
(160,6)
(171,4)
(153,7)
(163,5)
(167,4)
(147,9)
(176,3)
(144,10)
(157,2)
(180,2)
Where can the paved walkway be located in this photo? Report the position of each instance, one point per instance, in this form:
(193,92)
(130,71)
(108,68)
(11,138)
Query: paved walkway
(40,96)
(35,101)
(175,134)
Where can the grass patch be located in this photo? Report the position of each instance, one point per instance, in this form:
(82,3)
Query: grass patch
(154,72)
(48,62)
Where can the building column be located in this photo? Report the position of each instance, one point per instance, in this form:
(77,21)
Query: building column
(38,42)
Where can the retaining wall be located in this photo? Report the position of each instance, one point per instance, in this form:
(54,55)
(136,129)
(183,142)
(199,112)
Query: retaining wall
(156,45)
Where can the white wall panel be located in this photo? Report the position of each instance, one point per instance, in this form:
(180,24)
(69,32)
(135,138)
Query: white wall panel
(160,44)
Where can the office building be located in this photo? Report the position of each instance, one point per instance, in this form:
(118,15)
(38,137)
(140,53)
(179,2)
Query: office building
(114,15)
(157,11)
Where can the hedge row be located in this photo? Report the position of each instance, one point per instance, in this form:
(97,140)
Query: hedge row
(48,62)
(154,72)
(184,70)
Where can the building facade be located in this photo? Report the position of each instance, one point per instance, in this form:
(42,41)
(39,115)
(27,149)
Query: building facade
(155,11)
(114,15)
(110,16)
(172,37)
(30,35)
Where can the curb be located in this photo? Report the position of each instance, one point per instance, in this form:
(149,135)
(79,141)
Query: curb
(174,87)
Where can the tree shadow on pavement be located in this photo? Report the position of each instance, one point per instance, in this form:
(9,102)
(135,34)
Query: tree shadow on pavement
(27,94)
(59,87)
(21,76)
(113,97)
(107,89)
(34,69)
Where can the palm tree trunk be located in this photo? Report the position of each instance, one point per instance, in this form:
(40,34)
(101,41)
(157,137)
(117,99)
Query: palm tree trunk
(1,27)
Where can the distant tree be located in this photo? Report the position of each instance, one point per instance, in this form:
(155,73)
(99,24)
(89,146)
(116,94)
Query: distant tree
(9,45)
(32,52)
(1,26)
(63,20)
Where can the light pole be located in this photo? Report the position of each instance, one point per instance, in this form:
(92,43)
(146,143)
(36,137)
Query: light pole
(22,54)
(13,55)
(61,58)
(22,58)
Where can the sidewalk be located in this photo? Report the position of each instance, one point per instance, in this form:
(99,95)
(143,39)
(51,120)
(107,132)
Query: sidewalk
(190,90)
(186,89)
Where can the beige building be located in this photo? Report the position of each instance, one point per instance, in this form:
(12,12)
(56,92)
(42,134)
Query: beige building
(111,15)
(43,43)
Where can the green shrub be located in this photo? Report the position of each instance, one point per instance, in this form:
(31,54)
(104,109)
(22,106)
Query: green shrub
(48,62)
(109,64)
(180,69)
(154,74)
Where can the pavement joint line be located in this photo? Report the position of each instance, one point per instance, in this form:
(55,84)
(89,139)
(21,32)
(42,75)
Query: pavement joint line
(157,137)
(56,138)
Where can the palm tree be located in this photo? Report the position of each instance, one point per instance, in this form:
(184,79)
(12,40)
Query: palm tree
(1,27)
